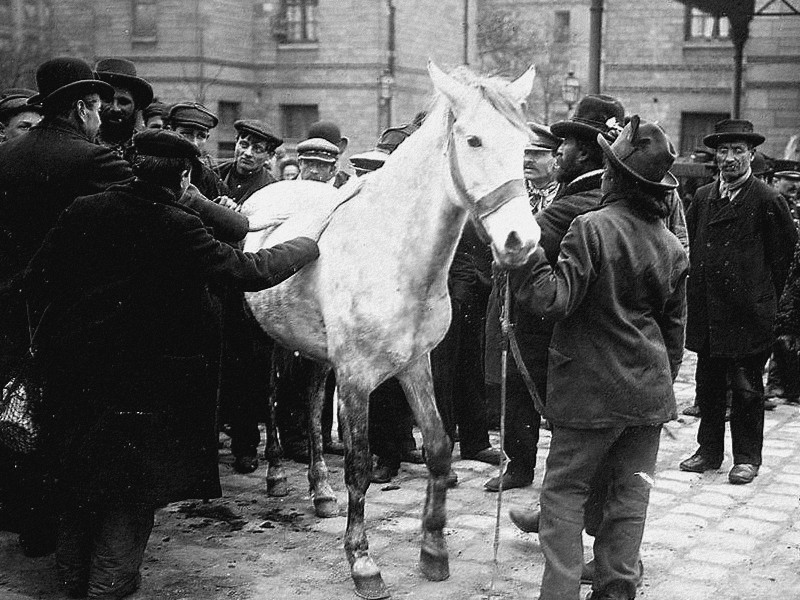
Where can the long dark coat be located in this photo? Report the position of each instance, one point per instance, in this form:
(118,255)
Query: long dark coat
(617,293)
(41,173)
(123,342)
(739,259)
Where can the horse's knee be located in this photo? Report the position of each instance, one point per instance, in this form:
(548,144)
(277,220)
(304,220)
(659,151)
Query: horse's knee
(437,457)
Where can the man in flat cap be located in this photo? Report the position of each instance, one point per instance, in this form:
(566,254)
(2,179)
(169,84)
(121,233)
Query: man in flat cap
(251,167)
(328,130)
(318,158)
(130,415)
(16,115)
(741,239)
(155,115)
(538,166)
(41,173)
(119,116)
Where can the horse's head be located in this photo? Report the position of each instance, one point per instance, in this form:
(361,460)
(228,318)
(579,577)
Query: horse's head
(485,151)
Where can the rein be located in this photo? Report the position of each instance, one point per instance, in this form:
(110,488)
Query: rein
(482,207)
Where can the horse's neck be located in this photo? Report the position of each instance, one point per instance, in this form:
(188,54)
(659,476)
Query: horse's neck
(412,194)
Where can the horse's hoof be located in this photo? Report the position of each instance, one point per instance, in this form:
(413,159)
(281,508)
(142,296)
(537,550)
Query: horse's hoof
(325,508)
(277,487)
(368,580)
(434,566)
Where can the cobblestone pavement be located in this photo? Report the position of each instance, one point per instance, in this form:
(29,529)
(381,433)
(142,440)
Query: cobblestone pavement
(705,539)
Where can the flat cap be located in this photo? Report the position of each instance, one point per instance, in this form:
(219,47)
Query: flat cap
(788,169)
(542,138)
(318,149)
(192,114)
(14,103)
(163,143)
(259,129)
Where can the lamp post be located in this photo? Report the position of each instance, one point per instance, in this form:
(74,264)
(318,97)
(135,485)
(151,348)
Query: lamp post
(570,90)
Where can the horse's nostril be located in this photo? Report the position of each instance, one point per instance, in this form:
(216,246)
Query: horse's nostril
(513,242)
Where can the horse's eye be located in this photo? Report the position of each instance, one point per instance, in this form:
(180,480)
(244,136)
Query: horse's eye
(474,141)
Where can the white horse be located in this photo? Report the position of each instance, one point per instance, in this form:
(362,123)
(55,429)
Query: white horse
(375,302)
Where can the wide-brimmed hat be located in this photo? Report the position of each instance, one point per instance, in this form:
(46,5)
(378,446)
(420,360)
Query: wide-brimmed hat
(165,144)
(14,101)
(732,130)
(258,129)
(328,130)
(64,77)
(644,152)
(318,149)
(788,169)
(542,138)
(592,116)
(120,72)
(192,114)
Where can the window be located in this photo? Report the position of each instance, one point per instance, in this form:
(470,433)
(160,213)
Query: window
(704,26)
(694,127)
(561,33)
(297,22)
(229,113)
(297,118)
(145,19)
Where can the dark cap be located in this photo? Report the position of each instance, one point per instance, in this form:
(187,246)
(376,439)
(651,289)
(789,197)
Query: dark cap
(121,72)
(318,149)
(15,101)
(258,129)
(192,114)
(787,169)
(66,78)
(592,116)
(542,139)
(155,109)
(733,130)
(163,143)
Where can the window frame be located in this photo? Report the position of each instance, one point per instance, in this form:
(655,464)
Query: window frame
(144,33)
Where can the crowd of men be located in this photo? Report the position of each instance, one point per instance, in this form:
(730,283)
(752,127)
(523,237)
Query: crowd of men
(122,266)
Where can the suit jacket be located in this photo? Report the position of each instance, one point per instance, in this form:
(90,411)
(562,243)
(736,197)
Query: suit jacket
(617,293)
(739,258)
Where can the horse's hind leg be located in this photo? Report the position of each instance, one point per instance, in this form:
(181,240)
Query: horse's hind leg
(358,468)
(325,502)
(418,386)
(276,474)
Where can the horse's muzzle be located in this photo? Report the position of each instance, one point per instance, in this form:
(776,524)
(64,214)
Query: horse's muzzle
(514,233)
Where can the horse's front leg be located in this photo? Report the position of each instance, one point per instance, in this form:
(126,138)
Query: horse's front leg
(354,404)
(277,484)
(322,495)
(417,384)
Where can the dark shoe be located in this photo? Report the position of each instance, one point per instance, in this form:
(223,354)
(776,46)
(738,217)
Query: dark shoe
(414,457)
(452,479)
(332,447)
(699,464)
(525,520)
(769,404)
(743,473)
(691,411)
(245,464)
(587,573)
(383,474)
(510,481)
(487,455)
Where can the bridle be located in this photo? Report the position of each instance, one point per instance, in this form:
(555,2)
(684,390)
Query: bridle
(480,208)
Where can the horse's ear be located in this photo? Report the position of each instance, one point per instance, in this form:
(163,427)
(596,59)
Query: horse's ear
(521,88)
(457,93)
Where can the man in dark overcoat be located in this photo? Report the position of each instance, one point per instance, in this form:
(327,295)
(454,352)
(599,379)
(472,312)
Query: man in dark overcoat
(579,165)
(128,416)
(617,294)
(251,166)
(741,240)
(41,173)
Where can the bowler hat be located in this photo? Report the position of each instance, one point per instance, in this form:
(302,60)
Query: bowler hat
(732,130)
(644,152)
(258,129)
(122,73)
(328,130)
(164,143)
(592,116)
(192,114)
(65,78)
(318,149)
(542,138)
(788,169)
(15,101)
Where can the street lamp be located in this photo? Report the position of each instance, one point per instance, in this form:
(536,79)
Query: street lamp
(570,90)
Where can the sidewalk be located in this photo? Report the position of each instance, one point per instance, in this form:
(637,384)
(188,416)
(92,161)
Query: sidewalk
(705,539)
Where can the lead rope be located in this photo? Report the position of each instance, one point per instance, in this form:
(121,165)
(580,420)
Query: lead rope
(505,328)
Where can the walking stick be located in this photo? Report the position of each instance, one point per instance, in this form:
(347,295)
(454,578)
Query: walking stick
(505,325)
